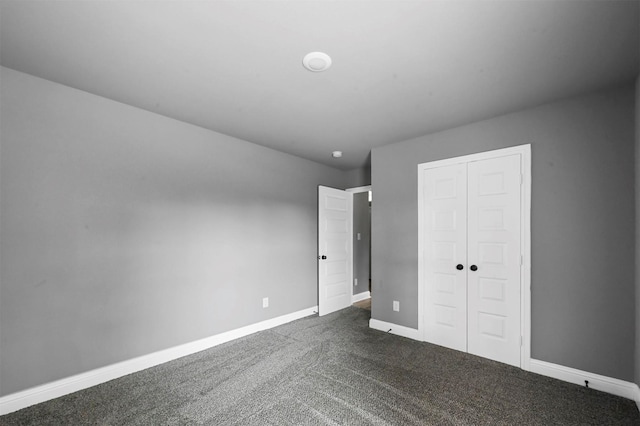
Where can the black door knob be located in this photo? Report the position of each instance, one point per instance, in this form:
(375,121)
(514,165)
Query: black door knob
(459,267)
(473,267)
(323,257)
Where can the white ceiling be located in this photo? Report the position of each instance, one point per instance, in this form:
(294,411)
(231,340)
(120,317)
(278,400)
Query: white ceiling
(400,68)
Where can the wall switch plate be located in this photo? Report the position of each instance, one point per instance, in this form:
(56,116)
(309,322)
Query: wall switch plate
(396,306)
(358,236)
(265,302)
(355,281)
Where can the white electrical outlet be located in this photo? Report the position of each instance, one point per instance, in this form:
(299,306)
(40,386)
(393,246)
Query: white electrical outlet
(355,281)
(396,306)
(265,302)
(358,236)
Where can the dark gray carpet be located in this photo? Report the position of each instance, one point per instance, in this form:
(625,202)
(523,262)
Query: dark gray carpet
(332,370)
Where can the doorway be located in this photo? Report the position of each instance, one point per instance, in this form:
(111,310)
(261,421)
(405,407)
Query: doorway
(361,287)
(338,288)
(335,253)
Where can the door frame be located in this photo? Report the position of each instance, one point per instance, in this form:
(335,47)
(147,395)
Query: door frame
(355,190)
(525,248)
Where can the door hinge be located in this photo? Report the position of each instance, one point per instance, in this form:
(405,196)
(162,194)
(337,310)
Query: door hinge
(521,341)
(521,179)
(521,260)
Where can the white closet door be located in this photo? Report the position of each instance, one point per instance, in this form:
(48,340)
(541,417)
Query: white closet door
(494,248)
(444,231)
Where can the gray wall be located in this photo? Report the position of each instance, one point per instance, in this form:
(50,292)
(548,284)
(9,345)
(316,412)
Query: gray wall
(582,225)
(362,247)
(124,232)
(359,177)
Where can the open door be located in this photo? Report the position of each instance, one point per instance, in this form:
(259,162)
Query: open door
(334,249)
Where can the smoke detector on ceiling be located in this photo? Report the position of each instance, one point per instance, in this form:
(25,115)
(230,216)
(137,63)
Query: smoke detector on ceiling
(336,154)
(316,61)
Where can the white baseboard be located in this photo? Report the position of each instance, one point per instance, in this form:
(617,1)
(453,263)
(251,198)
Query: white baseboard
(399,330)
(602,383)
(58,388)
(360,296)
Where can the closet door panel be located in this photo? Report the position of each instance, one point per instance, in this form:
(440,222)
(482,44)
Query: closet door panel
(445,228)
(494,237)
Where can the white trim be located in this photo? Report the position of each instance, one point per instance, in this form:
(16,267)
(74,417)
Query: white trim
(525,271)
(503,152)
(602,383)
(525,324)
(360,296)
(637,397)
(396,329)
(58,388)
(359,189)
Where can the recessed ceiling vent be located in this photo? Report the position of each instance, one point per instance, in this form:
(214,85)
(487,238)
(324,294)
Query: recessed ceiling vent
(316,61)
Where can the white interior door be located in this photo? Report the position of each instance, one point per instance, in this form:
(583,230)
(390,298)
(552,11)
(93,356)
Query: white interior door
(471,231)
(334,249)
(445,233)
(494,241)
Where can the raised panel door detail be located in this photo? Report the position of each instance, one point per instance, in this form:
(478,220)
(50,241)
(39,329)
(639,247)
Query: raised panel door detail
(492,326)
(491,218)
(335,246)
(445,187)
(338,203)
(336,268)
(492,289)
(335,291)
(446,316)
(492,253)
(445,283)
(490,183)
(335,225)
(444,220)
(444,251)
(446,292)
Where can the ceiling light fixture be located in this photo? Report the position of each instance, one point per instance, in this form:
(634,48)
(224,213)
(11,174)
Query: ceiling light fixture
(336,154)
(316,61)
